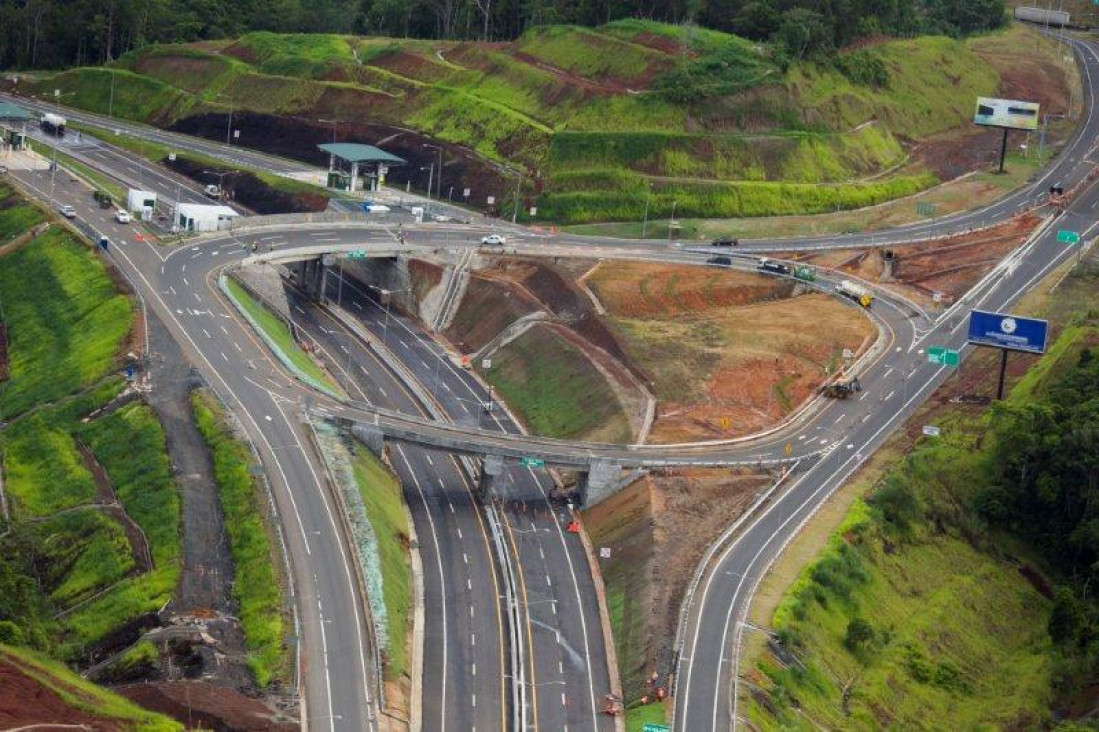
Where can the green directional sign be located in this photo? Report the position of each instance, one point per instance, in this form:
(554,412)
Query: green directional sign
(650,727)
(529,462)
(925,209)
(356,255)
(1064,236)
(943,356)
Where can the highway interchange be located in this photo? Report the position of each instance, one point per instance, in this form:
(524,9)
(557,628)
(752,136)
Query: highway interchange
(469,673)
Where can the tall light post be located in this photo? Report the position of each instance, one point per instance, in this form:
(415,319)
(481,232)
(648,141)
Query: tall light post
(645,219)
(439,185)
(515,211)
(57,143)
(430,178)
(672,219)
(333,122)
(110,104)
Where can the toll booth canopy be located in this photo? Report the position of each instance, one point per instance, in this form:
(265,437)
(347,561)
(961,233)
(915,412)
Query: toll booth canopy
(356,167)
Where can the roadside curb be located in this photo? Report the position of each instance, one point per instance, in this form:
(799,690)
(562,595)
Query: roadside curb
(604,620)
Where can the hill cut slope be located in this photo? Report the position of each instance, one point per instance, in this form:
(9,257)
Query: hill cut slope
(715,124)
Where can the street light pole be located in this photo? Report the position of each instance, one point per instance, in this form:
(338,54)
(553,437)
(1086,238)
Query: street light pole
(645,220)
(674,204)
(229,127)
(515,211)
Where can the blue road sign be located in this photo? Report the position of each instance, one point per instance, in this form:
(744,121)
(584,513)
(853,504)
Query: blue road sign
(1011,332)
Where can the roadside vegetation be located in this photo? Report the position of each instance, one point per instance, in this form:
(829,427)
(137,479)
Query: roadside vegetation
(256,584)
(65,321)
(93,542)
(957,589)
(277,335)
(696,122)
(17,216)
(384,503)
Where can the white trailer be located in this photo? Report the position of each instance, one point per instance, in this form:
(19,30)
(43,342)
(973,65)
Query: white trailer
(855,292)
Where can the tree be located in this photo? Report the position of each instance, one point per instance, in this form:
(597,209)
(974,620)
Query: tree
(803,32)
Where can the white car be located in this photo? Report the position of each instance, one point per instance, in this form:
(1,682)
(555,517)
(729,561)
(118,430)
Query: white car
(494,239)
(67,211)
(123,217)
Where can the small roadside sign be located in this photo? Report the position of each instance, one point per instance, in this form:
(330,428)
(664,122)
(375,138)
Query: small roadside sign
(848,354)
(172,157)
(356,255)
(529,462)
(1064,236)
(724,422)
(925,209)
(650,727)
(486,363)
(931,430)
(936,297)
(604,552)
(466,192)
(236,134)
(943,356)
(789,449)
(533,211)
(491,200)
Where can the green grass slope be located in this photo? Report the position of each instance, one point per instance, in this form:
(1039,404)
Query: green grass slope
(52,678)
(918,614)
(556,389)
(673,105)
(65,321)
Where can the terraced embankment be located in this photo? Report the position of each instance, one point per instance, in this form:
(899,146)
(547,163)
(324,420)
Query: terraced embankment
(598,120)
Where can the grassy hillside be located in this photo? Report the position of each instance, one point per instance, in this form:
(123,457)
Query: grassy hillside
(701,115)
(925,604)
(43,693)
(558,391)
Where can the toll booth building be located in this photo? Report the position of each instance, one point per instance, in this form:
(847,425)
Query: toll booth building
(13,126)
(355,167)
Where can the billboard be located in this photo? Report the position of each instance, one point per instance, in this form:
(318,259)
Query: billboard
(1002,330)
(1006,113)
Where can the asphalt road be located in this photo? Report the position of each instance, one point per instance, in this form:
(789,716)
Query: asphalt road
(568,675)
(337,667)
(463,684)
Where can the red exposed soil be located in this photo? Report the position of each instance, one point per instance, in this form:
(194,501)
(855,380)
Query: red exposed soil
(249,190)
(199,704)
(950,266)
(25,702)
(657,530)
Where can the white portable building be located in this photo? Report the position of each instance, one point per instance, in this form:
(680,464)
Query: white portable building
(203,217)
(138,201)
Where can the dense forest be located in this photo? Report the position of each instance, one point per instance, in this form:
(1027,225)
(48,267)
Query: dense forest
(1045,461)
(58,33)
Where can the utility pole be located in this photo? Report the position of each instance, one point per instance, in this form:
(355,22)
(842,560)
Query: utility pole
(515,212)
(110,104)
(645,220)
(229,127)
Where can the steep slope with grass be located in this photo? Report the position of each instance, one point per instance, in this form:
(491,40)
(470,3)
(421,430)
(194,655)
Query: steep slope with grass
(42,694)
(956,591)
(715,124)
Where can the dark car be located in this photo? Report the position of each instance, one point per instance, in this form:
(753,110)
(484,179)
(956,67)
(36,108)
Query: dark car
(720,261)
(724,241)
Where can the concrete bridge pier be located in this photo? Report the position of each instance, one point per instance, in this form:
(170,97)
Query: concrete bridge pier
(601,481)
(492,467)
(311,275)
(371,436)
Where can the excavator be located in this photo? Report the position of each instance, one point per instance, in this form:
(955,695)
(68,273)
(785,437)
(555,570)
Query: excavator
(841,388)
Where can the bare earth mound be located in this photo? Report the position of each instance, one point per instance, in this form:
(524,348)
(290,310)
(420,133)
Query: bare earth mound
(726,353)
(657,530)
